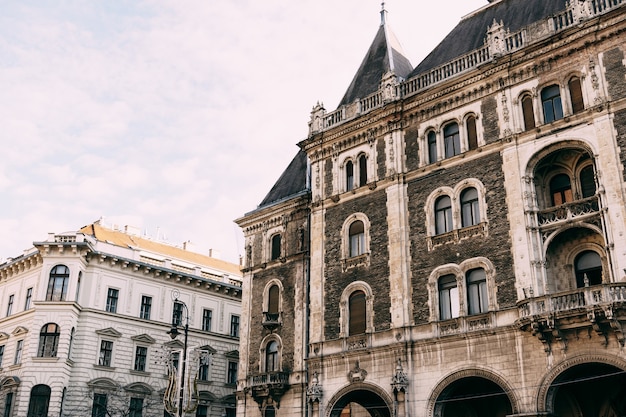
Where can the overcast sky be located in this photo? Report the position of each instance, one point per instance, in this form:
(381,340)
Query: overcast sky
(176,116)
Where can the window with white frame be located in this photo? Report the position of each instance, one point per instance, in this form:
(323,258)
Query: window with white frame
(106,353)
(462,290)
(451,140)
(58,283)
(463,206)
(355,236)
(356,309)
(48,340)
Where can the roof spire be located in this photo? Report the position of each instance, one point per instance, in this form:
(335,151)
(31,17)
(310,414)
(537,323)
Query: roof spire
(383,14)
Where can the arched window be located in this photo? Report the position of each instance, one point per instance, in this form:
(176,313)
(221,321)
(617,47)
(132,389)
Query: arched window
(528,112)
(57,284)
(576,94)
(443,215)
(362,170)
(39,400)
(273,298)
(48,341)
(587,182)
(349,176)
(451,140)
(271,357)
(588,266)
(356,313)
(470,213)
(477,299)
(432,147)
(448,297)
(472,136)
(551,101)
(356,235)
(276,249)
(561,189)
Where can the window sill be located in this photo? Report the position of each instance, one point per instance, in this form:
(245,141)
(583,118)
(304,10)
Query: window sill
(44,359)
(139,373)
(104,368)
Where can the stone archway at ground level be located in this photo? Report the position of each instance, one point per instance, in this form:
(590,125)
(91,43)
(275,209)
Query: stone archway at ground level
(472,395)
(360,400)
(588,390)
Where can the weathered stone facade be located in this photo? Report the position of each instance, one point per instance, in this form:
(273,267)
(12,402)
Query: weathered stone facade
(465,244)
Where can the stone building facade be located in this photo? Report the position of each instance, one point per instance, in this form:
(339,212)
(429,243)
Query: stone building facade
(84,327)
(450,241)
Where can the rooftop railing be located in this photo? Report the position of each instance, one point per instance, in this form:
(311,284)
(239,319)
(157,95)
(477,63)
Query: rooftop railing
(575,13)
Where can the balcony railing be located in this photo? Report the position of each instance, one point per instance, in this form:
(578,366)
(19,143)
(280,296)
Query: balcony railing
(269,379)
(568,211)
(272,320)
(570,301)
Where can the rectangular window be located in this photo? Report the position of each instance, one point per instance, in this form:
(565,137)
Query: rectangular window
(8,404)
(177,314)
(206,320)
(106,351)
(231,377)
(1,354)
(203,369)
(175,359)
(136,407)
(141,354)
(234,326)
(10,305)
(112,297)
(29,297)
(146,307)
(99,407)
(18,352)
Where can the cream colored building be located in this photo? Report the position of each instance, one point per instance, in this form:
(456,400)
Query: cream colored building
(84,318)
(450,240)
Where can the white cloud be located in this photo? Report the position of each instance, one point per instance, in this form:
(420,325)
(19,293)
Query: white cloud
(176,115)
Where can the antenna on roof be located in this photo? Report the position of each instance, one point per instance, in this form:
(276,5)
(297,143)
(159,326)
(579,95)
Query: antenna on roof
(383,13)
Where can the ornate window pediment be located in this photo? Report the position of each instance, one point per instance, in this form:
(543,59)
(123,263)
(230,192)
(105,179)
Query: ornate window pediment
(139,388)
(19,330)
(143,338)
(207,348)
(174,344)
(3,336)
(233,354)
(110,332)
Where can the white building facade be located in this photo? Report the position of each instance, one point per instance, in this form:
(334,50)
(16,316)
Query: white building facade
(84,322)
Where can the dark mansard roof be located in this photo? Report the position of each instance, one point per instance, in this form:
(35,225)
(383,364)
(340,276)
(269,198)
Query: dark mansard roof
(385,55)
(291,182)
(470,33)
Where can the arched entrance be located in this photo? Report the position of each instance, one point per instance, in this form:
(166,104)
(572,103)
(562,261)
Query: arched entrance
(363,401)
(473,396)
(589,389)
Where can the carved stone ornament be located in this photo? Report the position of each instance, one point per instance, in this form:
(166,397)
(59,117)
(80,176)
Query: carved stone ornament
(357,374)
(314,392)
(400,380)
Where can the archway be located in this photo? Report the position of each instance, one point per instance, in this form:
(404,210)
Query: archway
(589,389)
(360,402)
(473,396)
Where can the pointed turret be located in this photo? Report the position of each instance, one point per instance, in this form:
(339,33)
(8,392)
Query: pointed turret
(385,56)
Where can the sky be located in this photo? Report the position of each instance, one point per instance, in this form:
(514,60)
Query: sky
(174,117)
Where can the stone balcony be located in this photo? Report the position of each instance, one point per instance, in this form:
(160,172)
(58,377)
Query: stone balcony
(272,321)
(587,209)
(552,318)
(268,385)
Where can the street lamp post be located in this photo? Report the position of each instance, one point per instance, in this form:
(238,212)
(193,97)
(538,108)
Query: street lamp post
(173,334)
